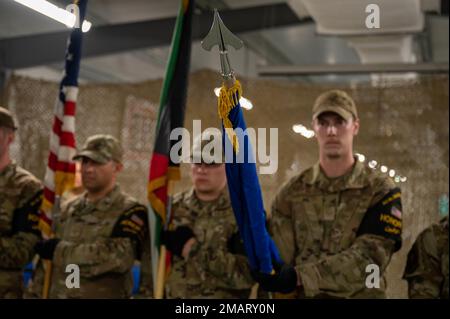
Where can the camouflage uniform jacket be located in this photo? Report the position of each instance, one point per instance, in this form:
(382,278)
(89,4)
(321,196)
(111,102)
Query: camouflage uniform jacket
(211,270)
(332,229)
(427,266)
(20,193)
(105,263)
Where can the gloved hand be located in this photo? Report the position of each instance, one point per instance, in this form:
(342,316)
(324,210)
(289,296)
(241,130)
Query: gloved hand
(284,280)
(174,240)
(46,248)
(236,245)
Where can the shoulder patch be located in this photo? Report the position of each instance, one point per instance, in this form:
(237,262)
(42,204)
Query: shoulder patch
(385,218)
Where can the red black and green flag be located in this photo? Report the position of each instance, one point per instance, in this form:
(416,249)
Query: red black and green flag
(170,116)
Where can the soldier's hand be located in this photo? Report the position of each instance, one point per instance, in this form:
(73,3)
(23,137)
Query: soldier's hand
(284,279)
(236,245)
(46,248)
(174,240)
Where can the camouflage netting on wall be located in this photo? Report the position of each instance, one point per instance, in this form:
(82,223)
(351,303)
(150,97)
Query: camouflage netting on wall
(403,126)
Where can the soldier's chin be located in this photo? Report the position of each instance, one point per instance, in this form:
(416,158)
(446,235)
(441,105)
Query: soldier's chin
(333,155)
(203,187)
(92,188)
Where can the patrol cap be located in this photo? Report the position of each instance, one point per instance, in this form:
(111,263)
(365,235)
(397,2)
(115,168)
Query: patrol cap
(336,101)
(101,148)
(6,119)
(214,153)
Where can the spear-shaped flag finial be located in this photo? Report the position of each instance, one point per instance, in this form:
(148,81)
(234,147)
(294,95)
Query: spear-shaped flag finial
(222,37)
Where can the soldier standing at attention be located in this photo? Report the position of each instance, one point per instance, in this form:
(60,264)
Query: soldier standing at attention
(102,231)
(209,259)
(427,265)
(336,218)
(20,199)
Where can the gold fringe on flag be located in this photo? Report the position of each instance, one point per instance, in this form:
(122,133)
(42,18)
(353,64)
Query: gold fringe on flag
(228,99)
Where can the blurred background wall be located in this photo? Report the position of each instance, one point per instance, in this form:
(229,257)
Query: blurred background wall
(293,50)
(403,126)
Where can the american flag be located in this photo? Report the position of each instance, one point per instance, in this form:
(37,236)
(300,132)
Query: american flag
(60,172)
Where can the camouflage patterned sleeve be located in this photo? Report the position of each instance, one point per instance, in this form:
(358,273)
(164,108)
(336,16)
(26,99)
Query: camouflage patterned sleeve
(422,270)
(18,249)
(378,237)
(146,279)
(105,255)
(281,227)
(344,274)
(214,257)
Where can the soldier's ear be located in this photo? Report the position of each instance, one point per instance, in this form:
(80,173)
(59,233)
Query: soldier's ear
(11,135)
(356,125)
(119,167)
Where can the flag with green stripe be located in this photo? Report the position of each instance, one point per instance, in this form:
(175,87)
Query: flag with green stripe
(170,116)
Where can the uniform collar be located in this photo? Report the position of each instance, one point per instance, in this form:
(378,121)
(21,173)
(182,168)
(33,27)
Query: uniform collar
(352,180)
(194,203)
(7,173)
(105,203)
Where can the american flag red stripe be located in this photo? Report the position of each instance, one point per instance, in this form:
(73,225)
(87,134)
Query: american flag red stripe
(60,172)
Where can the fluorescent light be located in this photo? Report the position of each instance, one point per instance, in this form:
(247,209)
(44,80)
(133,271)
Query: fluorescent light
(245,103)
(86,26)
(302,130)
(383,168)
(391,173)
(50,10)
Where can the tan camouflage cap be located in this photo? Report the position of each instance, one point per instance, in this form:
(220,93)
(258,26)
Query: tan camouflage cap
(214,153)
(335,101)
(101,148)
(6,119)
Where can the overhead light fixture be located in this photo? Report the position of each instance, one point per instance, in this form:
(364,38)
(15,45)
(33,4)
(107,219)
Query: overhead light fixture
(245,103)
(50,10)
(86,26)
(302,130)
(384,169)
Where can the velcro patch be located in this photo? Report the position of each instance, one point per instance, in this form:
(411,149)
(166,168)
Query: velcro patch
(384,218)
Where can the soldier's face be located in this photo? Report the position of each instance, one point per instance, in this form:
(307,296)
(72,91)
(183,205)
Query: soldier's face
(334,134)
(208,178)
(97,177)
(6,138)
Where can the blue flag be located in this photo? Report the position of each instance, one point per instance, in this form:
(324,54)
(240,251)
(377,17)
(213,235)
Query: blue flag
(243,183)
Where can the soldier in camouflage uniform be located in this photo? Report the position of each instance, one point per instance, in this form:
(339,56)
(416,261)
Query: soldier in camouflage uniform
(20,198)
(335,218)
(103,231)
(427,265)
(209,259)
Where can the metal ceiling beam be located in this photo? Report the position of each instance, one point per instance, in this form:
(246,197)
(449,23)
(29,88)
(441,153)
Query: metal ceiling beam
(42,49)
(326,69)
(254,41)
